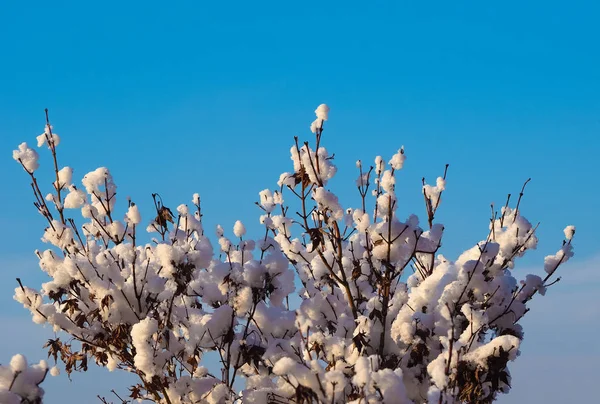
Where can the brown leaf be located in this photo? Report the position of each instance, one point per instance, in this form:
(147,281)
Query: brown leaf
(56,296)
(192,361)
(228,336)
(164,215)
(378,242)
(106,300)
(316,237)
(356,272)
(301,177)
(70,305)
(80,320)
(136,391)
(54,347)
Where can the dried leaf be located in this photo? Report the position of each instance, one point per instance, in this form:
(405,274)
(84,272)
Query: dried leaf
(316,237)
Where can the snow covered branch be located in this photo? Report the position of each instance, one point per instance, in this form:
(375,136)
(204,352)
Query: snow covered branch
(20,383)
(381,315)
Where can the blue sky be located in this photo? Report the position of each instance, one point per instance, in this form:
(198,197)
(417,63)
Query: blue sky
(206,97)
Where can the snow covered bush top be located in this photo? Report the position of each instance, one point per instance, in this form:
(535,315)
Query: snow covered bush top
(19,382)
(382,317)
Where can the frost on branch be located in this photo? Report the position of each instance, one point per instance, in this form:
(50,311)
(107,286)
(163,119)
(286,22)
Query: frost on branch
(382,316)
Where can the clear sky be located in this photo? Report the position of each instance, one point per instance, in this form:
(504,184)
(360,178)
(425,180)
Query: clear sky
(206,97)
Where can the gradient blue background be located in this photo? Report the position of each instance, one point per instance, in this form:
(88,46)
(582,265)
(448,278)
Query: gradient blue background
(206,97)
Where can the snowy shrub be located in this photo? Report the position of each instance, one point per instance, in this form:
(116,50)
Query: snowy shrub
(378,315)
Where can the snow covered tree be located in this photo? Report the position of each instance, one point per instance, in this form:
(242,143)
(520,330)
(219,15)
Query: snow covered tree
(378,315)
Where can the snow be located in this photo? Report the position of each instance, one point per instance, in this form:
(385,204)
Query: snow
(328,202)
(398,159)
(141,336)
(19,382)
(239,229)
(551,262)
(48,138)
(18,363)
(27,156)
(322,113)
(569,232)
(133,215)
